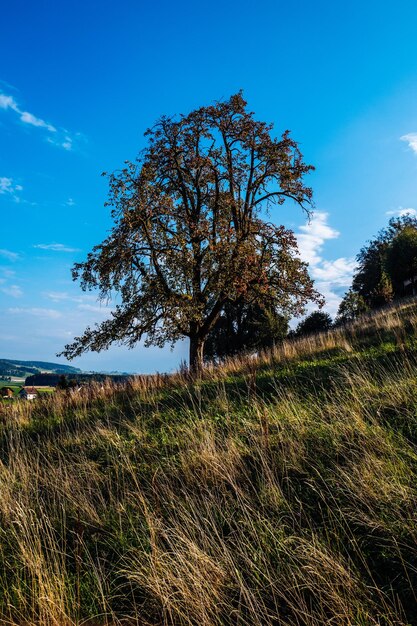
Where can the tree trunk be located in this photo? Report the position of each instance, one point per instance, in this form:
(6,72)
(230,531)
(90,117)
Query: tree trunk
(196,355)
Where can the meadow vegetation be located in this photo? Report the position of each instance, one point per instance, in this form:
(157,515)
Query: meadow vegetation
(277,490)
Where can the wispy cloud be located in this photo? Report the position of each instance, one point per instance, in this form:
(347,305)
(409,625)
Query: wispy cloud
(400,212)
(331,276)
(55,247)
(28,118)
(35,311)
(65,142)
(9,188)
(60,296)
(13,291)
(87,303)
(8,102)
(56,136)
(411,139)
(97,309)
(9,255)
(7,272)
(64,296)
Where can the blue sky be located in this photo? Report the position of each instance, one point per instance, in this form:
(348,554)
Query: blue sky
(81,81)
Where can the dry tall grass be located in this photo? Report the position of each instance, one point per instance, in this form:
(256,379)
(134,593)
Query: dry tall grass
(277,491)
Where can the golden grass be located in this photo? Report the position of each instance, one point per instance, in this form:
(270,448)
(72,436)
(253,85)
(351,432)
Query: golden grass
(248,498)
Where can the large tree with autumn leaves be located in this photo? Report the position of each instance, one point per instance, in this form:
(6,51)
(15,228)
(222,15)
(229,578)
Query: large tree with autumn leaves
(191,231)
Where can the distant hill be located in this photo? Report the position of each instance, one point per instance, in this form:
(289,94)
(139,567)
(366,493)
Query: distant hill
(12,367)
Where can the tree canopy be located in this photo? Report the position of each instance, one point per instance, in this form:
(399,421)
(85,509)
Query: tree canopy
(352,305)
(401,257)
(191,232)
(383,266)
(244,327)
(315,322)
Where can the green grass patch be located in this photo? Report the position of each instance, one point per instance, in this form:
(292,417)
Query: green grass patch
(276,491)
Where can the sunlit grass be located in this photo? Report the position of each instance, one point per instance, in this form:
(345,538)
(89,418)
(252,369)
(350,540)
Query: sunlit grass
(277,490)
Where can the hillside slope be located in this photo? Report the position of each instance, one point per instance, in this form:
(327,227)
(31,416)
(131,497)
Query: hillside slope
(281,490)
(10,367)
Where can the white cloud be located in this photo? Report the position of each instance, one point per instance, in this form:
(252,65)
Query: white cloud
(58,296)
(313,236)
(99,310)
(36,311)
(330,275)
(70,202)
(13,291)
(57,136)
(28,118)
(411,139)
(55,247)
(400,212)
(338,272)
(63,142)
(63,296)
(8,102)
(9,255)
(10,188)
(7,185)
(332,298)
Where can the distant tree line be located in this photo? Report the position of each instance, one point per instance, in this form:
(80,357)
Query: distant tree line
(65,381)
(387,269)
(244,328)
(254,328)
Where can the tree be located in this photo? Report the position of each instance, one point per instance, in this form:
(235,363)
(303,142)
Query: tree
(190,235)
(352,305)
(401,258)
(383,266)
(244,327)
(62,383)
(377,280)
(370,280)
(316,322)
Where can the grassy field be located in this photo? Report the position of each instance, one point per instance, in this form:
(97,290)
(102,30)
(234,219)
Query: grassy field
(280,490)
(42,390)
(17,387)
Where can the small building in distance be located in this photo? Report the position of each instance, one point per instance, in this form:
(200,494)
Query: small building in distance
(28,393)
(6,392)
(410,286)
